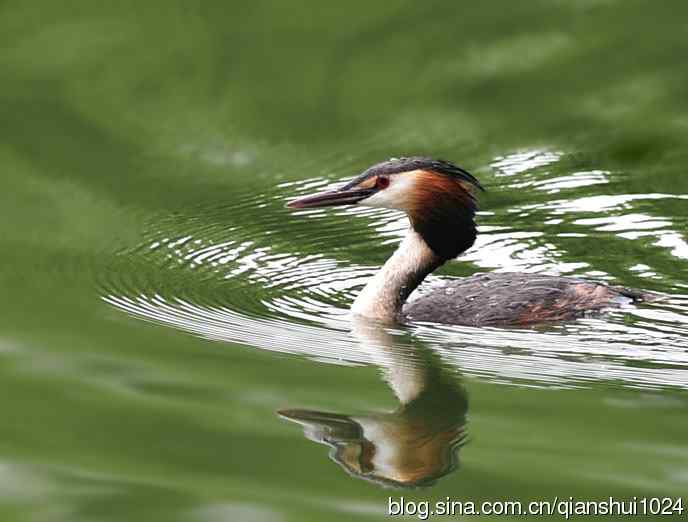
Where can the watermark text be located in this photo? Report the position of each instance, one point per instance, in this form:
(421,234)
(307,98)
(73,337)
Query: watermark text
(567,507)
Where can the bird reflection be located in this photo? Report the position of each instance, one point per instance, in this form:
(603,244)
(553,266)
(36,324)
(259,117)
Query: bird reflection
(412,446)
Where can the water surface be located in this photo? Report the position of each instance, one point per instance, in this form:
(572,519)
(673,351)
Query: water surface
(175,344)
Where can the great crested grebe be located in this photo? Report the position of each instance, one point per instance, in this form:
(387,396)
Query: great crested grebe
(439,199)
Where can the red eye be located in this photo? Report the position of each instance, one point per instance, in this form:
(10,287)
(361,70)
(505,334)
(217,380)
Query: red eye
(382,182)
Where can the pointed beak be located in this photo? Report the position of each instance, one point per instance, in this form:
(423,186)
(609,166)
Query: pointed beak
(332,198)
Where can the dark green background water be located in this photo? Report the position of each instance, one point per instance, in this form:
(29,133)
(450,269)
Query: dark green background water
(146,152)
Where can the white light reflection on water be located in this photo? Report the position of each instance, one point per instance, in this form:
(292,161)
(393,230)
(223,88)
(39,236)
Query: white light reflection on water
(520,162)
(589,350)
(602,203)
(574,180)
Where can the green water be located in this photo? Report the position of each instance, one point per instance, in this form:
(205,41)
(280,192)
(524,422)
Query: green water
(161,306)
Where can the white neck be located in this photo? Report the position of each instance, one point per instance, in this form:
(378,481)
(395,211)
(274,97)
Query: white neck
(385,294)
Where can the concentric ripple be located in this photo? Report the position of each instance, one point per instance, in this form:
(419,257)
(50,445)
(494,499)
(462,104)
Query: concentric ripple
(253,273)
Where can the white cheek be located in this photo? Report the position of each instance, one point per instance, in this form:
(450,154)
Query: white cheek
(396,196)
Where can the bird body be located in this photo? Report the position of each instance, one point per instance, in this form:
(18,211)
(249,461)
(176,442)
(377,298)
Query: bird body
(512,299)
(439,199)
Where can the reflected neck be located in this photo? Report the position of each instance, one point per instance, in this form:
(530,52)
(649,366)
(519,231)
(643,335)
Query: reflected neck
(385,294)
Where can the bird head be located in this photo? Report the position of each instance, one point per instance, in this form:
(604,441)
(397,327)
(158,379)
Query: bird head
(436,195)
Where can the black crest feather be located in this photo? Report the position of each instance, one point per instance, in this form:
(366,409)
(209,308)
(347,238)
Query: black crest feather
(406,164)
